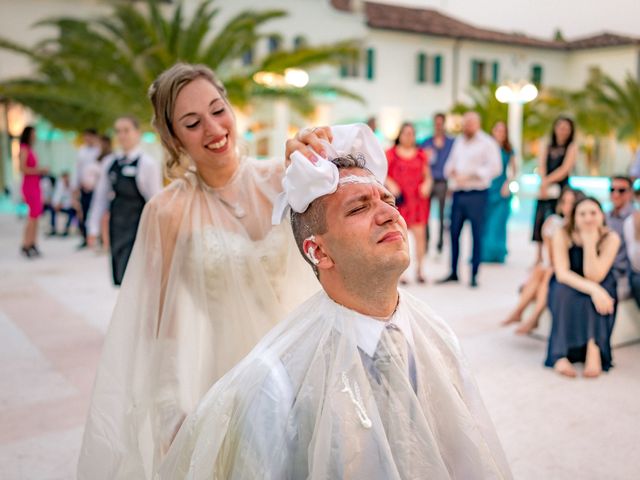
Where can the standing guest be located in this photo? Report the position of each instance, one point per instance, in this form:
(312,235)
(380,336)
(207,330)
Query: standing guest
(632,242)
(31,191)
(438,147)
(85,179)
(582,292)
(536,288)
(128,181)
(634,170)
(622,201)
(554,167)
(63,201)
(105,150)
(410,179)
(474,162)
(208,277)
(494,245)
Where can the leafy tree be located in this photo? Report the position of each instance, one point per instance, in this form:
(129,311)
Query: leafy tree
(93,70)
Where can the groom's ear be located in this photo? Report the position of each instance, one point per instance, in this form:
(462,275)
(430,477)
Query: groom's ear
(314,250)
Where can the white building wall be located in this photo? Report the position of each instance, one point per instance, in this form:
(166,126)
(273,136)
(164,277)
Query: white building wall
(617,62)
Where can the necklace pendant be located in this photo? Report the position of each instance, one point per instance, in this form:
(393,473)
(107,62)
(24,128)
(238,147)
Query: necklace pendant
(238,211)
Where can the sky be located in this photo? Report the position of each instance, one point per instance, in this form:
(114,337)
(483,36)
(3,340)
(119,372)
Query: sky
(575,18)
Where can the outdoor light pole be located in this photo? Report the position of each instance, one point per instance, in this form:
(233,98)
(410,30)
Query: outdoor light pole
(516,95)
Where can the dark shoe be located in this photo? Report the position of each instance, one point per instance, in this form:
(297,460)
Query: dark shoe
(420,279)
(82,245)
(26,252)
(65,233)
(451,278)
(52,233)
(34,251)
(473,283)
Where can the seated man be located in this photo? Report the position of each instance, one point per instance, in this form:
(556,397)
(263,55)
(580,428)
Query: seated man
(361,381)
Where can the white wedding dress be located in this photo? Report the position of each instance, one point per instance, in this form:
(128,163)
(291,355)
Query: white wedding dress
(208,277)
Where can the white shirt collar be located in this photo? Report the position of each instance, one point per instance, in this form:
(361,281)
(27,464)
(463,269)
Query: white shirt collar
(368,330)
(132,155)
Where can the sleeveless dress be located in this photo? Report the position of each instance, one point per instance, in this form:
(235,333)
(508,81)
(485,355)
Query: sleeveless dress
(546,207)
(207,278)
(31,191)
(494,245)
(408,174)
(575,319)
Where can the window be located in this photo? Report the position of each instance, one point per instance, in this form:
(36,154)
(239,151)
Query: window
(274,43)
(370,63)
(495,73)
(478,72)
(422,68)
(299,42)
(247,57)
(349,68)
(437,69)
(536,75)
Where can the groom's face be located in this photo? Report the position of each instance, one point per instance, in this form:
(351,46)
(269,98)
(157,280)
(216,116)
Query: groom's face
(365,233)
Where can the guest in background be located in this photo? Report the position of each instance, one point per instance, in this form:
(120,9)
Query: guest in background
(47,186)
(494,244)
(582,292)
(85,177)
(536,288)
(474,162)
(63,201)
(106,149)
(438,148)
(554,167)
(31,191)
(622,202)
(631,232)
(128,180)
(409,179)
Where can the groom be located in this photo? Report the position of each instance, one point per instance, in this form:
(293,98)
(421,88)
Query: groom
(361,381)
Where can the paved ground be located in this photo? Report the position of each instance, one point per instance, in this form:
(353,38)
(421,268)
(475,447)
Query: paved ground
(54,311)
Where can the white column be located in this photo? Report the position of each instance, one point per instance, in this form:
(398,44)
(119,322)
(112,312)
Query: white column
(279,133)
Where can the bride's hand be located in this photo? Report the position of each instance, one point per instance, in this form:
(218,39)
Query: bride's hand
(307,139)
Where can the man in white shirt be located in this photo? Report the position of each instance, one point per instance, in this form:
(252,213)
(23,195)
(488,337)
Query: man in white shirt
(83,183)
(473,163)
(128,180)
(631,235)
(361,381)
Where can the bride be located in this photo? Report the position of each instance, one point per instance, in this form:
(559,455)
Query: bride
(208,277)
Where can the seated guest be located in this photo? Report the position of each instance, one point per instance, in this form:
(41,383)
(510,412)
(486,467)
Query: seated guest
(622,202)
(63,201)
(361,381)
(536,287)
(582,292)
(631,232)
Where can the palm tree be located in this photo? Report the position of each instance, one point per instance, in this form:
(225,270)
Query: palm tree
(93,70)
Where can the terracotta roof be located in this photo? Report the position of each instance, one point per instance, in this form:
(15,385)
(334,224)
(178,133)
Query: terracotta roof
(431,22)
(342,5)
(601,40)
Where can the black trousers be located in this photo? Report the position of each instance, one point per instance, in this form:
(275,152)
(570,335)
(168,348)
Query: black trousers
(468,205)
(85,203)
(439,192)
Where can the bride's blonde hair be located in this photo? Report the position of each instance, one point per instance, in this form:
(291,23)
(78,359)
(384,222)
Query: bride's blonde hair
(163,93)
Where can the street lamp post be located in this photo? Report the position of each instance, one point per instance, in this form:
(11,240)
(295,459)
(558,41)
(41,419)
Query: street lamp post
(516,95)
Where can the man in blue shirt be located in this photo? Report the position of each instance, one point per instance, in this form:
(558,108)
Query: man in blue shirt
(438,148)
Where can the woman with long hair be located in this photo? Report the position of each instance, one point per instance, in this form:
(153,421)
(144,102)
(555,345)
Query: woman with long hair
(554,167)
(31,192)
(209,275)
(410,181)
(494,245)
(582,292)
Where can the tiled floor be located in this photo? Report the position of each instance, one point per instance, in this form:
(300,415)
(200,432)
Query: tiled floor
(53,312)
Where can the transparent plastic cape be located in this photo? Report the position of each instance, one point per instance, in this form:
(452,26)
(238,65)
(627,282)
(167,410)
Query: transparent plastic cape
(208,277)
(308,403)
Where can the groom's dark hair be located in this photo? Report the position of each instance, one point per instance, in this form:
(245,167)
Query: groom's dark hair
(313,221)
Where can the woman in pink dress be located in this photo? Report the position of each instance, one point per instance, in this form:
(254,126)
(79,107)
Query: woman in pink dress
(30,190)
(409,179)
